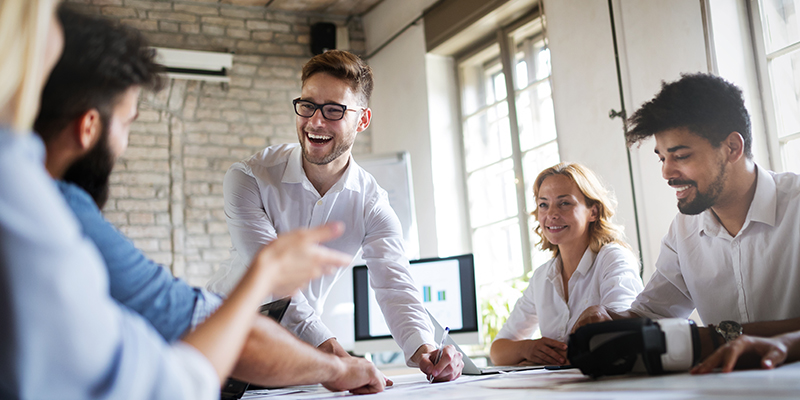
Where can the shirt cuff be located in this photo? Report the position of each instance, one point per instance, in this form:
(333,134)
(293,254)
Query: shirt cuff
(205,305)
(643,312)
(413,343)
(199,379)
(316,333)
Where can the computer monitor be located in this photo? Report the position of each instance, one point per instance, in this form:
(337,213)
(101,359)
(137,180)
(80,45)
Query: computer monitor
(447,290)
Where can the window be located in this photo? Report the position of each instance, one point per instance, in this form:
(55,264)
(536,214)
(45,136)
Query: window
(781,35)
(507,141)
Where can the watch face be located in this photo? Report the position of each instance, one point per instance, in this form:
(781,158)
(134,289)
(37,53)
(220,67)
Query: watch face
(730,326)
(730,330)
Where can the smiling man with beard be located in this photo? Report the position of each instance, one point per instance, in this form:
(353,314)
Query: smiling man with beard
(732,252)
(288,186)
(88,106)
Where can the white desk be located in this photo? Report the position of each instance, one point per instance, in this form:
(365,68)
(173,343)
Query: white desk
(781,383)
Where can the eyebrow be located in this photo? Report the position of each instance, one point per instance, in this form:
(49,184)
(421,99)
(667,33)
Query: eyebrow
(673,149)
(559,197)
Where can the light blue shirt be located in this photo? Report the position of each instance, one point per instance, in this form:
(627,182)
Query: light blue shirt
(62,336)
(169,303)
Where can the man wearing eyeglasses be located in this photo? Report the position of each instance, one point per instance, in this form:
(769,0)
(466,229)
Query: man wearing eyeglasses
(289,186)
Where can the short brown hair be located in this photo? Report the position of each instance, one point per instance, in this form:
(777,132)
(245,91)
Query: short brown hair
(345,66)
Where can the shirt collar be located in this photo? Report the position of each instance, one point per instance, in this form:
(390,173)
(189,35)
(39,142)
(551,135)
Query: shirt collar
(763,208)
(295,174)
(587,260)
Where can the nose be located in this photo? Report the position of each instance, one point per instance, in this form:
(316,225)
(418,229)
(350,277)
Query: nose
(316,119)
(668,170)
(549,213)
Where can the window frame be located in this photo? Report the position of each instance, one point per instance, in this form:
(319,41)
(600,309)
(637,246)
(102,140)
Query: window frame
(504,39)
(774,141)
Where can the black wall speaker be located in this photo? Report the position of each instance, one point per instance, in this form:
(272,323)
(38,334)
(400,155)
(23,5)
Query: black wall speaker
(323,37)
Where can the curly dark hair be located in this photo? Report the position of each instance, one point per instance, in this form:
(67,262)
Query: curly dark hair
(101,60)
(707,105)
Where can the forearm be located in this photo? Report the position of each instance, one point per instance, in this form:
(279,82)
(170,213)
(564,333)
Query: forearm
(332,346)
(627,314)
(792,342)
(507,352)
(759,329)
(221,337)
(272,356)
(771,328)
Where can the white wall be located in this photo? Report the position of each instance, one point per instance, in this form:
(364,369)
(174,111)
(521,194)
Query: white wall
(585,89)
(733,48)
(449,190)
(400,109)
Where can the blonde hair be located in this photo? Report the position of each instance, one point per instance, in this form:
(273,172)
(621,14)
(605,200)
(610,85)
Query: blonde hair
(602,231)
(23,38)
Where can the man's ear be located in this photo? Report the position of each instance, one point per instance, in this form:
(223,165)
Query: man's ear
(734,146)
(88,129)
(364,120)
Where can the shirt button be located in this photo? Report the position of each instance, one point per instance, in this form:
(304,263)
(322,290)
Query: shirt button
(319,202)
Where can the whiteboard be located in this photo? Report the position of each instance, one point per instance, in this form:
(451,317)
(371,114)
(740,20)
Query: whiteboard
(393,173)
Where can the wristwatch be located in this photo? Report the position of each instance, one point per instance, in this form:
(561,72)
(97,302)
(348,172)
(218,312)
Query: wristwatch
(729,330)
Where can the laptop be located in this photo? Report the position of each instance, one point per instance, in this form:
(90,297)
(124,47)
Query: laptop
(469,366)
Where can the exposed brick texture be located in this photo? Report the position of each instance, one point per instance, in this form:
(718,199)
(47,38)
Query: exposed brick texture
(167,188)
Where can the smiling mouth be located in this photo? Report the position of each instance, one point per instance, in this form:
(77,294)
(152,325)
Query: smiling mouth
(556,228)
(318,139)
(682,191)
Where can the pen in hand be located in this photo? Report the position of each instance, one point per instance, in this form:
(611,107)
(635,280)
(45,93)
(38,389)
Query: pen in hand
(441,349)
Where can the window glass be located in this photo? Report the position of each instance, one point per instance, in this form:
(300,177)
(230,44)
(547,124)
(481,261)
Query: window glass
(781,27)
(498,252)
(533,162)
(497,221)
(781,32)
(491,193)
(785,75)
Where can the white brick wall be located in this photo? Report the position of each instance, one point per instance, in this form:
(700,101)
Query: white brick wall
(166,190)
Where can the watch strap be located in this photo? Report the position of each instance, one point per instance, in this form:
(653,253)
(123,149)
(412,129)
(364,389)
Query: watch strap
(713,332)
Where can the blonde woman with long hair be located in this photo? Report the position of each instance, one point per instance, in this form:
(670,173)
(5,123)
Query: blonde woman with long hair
(61,334)
(591,264)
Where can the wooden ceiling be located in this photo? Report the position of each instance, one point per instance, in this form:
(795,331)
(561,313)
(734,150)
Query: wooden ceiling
(333,7)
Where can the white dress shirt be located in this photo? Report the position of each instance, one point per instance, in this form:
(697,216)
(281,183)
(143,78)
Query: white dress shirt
(609,277)
(62,335)
(753,276)
(269,194)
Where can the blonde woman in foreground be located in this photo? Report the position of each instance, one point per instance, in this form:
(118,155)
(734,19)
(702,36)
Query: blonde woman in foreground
(591,264)
(61,334)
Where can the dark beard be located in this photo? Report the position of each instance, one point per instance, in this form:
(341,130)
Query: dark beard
(703,201)
(92,171)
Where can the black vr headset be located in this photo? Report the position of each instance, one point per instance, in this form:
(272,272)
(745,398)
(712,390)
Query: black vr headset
(620,347)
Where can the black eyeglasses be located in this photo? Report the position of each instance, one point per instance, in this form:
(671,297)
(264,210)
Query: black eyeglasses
(330,111)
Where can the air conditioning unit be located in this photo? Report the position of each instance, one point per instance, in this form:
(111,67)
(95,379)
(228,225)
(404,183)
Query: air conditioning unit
(195,65)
